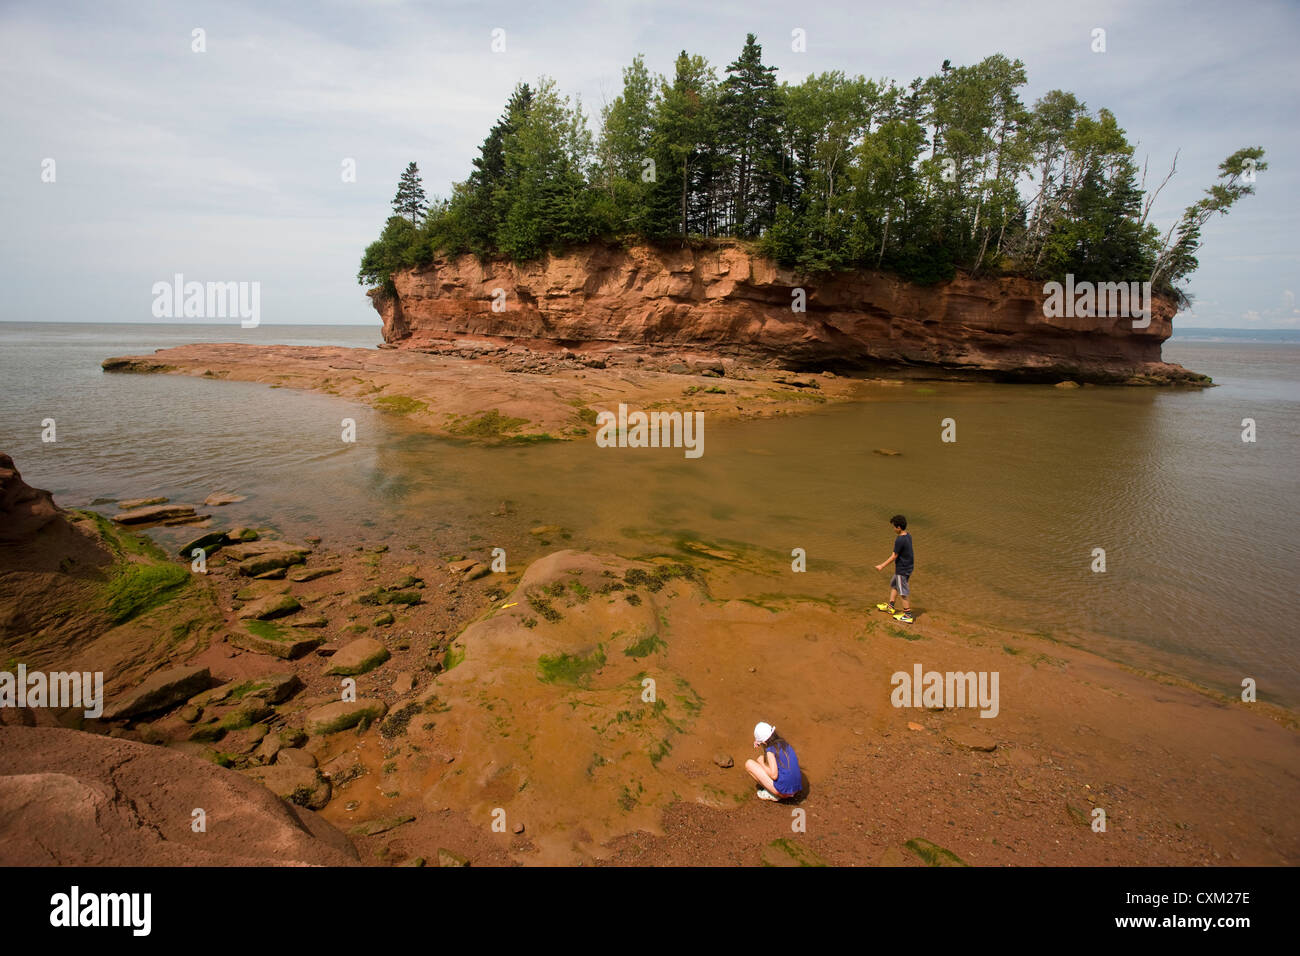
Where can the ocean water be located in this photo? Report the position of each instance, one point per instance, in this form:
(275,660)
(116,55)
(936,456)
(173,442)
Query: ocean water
(1199,528)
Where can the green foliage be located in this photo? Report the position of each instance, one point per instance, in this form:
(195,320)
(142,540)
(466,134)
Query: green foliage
(948,173)
(572,669)
(135,588)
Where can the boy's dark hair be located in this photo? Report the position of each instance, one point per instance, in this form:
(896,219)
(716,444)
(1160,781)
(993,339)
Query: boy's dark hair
(899,522)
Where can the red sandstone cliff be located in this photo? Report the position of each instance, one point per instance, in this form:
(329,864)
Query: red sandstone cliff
(726,302)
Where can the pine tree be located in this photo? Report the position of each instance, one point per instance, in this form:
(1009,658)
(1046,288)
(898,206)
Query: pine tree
(410,201)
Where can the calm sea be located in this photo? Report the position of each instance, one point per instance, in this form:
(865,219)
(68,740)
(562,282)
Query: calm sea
(1199,528)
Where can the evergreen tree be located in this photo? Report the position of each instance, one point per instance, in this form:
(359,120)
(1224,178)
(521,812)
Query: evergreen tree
(410,201)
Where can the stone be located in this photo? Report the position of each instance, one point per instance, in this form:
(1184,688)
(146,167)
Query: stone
(887,452)
(723,760)
(159,691)
(384,620)
(271,562)
(275,688)
(270,746)
(275,574)
(237,535)
(207,543)
(219,498)
(311,574)
(404,684)
(519,828)
(243,741)
(318,621)
(295,757)
(270,607)
(303,786)
(448,858)
(1066,384)
(343,715)
(190,713)
(286,645)
(913,725)
(359,656)
(133,503)
(154,513)
(459,566)
(477,571)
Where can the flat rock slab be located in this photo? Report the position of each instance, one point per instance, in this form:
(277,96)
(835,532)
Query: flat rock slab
(132,503)
(153,513)
(311,574)
(286,646)
(273,563)
(161,690)
(971,739)
(269,607)
(359,656)
(243,550)
(220,498)
(343,714)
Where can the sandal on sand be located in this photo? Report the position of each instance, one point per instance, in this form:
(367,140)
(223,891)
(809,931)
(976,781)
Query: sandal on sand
(764,795)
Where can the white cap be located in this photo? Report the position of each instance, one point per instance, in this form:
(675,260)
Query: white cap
(762,732)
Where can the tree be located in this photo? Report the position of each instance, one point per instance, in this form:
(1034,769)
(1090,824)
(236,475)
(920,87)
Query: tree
(748,122)
(410,201)
(1177,255)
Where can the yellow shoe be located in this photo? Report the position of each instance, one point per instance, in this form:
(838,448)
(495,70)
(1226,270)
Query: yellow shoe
(905,617)
(887,608)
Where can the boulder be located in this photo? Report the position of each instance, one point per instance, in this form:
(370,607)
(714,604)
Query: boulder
(161,690)
(286,645)
(69,798)
(342,715)
(269,607)
(207,543)
(359,656)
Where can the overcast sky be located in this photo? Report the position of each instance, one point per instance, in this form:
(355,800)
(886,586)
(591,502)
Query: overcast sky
(227,164)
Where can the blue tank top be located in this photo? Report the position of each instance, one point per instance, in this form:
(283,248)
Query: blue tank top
(788,779)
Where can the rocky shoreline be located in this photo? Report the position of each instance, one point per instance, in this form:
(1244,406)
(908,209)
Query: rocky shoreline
(499,717)
(723,302)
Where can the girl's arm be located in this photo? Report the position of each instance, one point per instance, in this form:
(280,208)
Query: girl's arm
(769,761)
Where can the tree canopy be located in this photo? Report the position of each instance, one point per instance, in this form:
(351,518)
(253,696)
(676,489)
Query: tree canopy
(950,172)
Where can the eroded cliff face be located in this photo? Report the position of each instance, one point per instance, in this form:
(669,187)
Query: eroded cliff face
(727,303)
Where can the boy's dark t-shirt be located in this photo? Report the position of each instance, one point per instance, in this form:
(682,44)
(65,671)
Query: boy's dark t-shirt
(903,548)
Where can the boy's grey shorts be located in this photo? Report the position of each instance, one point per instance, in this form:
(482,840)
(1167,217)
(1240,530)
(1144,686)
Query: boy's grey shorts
(899,583)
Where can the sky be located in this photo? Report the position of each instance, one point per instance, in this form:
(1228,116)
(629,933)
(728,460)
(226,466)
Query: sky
(228,164)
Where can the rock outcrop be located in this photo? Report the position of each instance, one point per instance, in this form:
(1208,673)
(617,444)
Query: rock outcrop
(69,798)
(726,302)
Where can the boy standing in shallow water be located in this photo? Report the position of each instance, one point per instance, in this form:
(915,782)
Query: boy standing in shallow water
(904,561)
